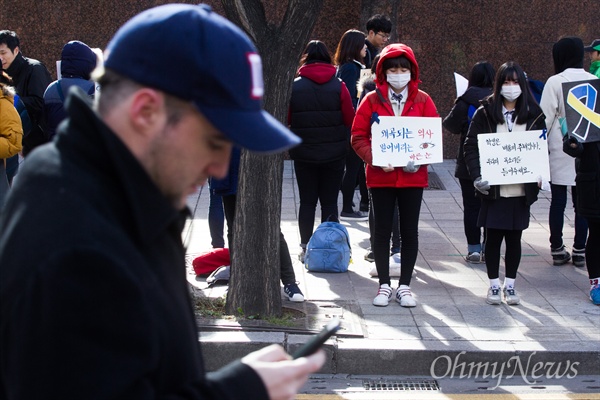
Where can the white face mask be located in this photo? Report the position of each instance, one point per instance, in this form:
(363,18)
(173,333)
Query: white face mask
(510,92)
(398,81)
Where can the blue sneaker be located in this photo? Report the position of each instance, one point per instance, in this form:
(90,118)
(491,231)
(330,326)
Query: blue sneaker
(595,294)
(293,292)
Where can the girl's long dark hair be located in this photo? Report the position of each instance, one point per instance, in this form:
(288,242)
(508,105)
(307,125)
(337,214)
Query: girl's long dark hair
(509,70)
(350,46)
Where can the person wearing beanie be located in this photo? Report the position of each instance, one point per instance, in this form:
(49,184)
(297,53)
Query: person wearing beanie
(77,61)
(94,301)
(594,52)
(568,55)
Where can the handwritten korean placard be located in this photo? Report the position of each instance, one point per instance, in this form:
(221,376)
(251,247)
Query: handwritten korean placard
(398,140)
(513,157)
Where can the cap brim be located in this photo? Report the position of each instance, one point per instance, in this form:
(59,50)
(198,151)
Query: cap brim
(257,131)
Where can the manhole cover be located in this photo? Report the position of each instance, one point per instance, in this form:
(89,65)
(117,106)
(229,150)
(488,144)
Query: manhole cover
(401,384)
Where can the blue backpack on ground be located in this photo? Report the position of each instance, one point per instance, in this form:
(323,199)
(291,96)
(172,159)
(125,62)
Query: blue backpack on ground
(328,249)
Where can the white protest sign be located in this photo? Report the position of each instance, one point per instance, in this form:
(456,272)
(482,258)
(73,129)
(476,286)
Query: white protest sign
(397,140)
(513,157)
(462,84)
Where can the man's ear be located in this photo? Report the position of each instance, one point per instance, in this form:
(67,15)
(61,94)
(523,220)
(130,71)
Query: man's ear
(17,50)
(146,109)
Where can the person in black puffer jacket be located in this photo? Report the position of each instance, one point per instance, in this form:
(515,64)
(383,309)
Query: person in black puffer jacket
(31,78)
(321,113)
(481,80)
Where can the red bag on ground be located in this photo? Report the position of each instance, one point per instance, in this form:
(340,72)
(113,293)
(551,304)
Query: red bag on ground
(206,263)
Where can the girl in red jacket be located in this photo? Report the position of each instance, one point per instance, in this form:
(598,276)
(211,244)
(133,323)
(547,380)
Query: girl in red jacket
(396,94)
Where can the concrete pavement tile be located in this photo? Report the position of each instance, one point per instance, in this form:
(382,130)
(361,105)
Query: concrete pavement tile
(392,332)
(501,333)
(435,310)
(439,320)
(387,319)
(446,333)
(588,334)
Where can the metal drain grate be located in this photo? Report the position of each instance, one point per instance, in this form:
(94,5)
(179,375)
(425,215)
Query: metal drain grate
(402,384)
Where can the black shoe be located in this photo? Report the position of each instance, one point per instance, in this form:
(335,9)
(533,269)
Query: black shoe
(560,256)
(578,257)
(354,216)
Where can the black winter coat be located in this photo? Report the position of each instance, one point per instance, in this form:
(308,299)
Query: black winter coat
(587,178)
(481,123)
(94,300)
(31,78)
(457,122)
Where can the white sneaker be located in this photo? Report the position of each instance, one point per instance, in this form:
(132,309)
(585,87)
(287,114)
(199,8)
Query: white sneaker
(493,296)
(405,297)
(384,294)
(510,296)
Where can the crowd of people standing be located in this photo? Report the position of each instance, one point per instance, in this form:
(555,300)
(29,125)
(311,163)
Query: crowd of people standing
(107,196)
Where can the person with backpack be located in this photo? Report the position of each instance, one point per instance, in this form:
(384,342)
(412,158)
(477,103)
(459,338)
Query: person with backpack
(77,61)
(481,81)
(568,55)
(321,113)
(397,94)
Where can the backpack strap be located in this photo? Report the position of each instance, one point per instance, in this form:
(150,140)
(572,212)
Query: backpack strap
(61,95)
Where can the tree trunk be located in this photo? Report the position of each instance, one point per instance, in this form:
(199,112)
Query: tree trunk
(254,288)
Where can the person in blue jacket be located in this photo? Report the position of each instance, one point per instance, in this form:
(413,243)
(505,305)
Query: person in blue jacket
(227,188)
(77,61)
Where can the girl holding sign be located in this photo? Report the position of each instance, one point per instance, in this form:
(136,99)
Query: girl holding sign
(397,94)
(504,208)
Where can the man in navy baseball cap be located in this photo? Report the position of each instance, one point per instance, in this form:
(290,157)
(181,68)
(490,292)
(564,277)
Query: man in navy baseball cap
(99,305)
(208,61)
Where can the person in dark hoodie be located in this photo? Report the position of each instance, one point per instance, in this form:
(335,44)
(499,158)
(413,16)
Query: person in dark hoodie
(77,61)
(320,113)
(481,81)
(568,56)
(31,78)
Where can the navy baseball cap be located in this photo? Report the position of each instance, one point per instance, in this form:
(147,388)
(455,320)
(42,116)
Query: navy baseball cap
(594,46)
(192,53)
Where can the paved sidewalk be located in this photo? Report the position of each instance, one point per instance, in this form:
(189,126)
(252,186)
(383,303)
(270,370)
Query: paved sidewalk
(555,322)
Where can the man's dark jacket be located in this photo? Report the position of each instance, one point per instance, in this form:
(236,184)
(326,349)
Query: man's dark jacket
(93,296)
(31,78)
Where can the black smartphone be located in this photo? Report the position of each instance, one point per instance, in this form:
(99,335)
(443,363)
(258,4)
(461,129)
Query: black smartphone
(318,340)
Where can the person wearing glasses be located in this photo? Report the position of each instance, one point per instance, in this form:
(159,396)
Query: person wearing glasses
(378,34)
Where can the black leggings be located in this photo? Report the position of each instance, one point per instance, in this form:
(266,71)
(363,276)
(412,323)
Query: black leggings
(408,202)
(512,257)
